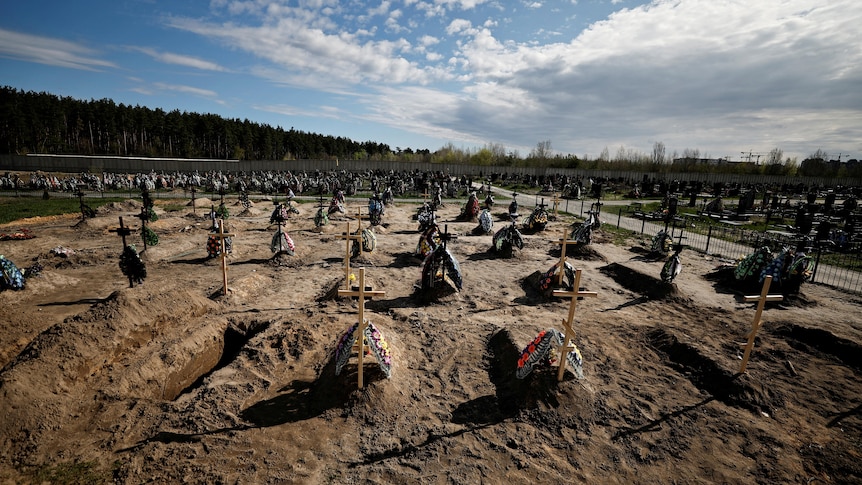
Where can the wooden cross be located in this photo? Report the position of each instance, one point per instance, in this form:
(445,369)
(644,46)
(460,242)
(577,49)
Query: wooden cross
(221,236)
(144,216)
(565,241)
(570,333)
(80,194)
(122,231)
(193,200)
(445,237)
(347,236)
(556,201)
(755,325)
(362,293)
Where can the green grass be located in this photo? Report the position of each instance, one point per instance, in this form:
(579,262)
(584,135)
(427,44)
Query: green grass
(73,473)
(14,208)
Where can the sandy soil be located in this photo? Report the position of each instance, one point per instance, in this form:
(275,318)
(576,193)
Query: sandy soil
(172,382)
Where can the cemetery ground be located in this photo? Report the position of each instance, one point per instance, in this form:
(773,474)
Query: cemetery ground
(170,381)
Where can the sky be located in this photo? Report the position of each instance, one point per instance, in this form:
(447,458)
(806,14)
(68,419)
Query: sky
(729,79)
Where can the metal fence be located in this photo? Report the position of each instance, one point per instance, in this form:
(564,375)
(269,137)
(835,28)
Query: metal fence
(838,267)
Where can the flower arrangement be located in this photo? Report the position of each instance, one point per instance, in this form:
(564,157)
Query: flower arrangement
(379,348)
(541,351)
(131,264)
(10,276)
(344,347)
(375,344)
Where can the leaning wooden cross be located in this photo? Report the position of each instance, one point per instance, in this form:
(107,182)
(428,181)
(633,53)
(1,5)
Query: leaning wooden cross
(347,236)
(755,325)
(362,293)
(570,333)
(221,236)
(565,241)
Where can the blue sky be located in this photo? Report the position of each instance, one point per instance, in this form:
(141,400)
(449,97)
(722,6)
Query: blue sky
(721,77)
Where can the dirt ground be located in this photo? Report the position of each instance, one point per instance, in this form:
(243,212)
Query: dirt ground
(172,382)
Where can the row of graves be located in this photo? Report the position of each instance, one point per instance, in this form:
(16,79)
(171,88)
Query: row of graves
(441,274)
(551,348)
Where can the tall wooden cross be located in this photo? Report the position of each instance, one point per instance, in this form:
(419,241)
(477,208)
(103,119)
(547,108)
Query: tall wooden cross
(564,242)
(556,201)
(221,236)
(755,325)
(348,237)
(575,294)
(362,293)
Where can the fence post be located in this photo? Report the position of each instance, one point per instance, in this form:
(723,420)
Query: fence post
(816,262)
(619,217)
(708,237)
(643,222)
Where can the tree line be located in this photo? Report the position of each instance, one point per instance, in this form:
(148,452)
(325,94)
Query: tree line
(33,122)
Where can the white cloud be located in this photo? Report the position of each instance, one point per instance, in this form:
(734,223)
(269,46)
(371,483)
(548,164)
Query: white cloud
(180,60)
(50,51)
(179,88)
(685,72)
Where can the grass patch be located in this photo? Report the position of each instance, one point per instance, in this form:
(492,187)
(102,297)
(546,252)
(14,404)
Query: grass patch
(15,208)
(73,473)
(172,207)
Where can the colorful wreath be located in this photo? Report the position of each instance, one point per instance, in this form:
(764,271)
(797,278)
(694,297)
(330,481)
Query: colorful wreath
(541,351)
(11,277)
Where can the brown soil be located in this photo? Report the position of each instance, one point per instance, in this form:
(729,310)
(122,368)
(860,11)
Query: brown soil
(170,381)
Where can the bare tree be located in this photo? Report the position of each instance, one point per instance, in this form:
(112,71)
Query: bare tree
(543,150)
(774,156)
(658,152)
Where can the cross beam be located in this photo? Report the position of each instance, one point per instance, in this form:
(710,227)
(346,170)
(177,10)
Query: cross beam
(755,325)
(362,293)
(221,236)
(122,231)
(567,323)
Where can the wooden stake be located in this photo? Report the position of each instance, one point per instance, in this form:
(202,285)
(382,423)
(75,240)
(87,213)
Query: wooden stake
(567,323)
(565,241)
(221,236)
(347,236)
(556,201)
(755,325)
(362,294)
